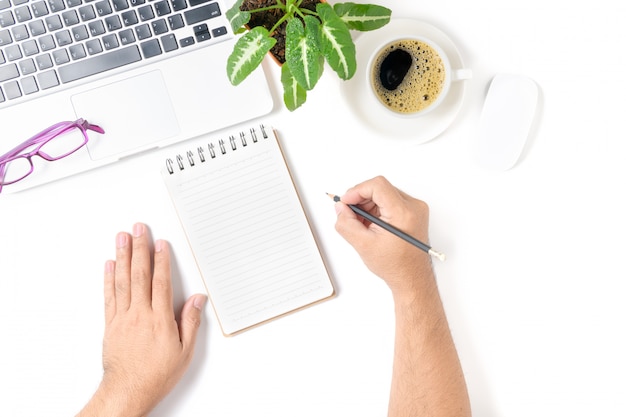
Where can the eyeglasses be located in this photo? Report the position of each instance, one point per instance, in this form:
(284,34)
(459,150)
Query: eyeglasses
(52,144)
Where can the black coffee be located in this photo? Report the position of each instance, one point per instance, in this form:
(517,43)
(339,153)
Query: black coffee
(407,76)
(394,68)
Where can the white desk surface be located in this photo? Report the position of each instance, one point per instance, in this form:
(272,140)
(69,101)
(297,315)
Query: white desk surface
(533,285)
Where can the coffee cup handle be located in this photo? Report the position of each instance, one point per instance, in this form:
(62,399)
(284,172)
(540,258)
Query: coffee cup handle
(461,74)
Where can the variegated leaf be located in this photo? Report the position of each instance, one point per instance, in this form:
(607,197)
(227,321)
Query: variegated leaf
(363,17)
(293,93)
(248,54)
(302,51)
(237,18)
(336,42)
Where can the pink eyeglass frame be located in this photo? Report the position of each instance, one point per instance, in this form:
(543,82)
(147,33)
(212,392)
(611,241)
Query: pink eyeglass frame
(41,139)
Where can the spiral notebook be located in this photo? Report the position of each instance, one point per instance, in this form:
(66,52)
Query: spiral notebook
(247,228)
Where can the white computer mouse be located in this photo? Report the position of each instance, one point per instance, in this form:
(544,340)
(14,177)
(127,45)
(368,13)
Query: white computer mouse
(506,120)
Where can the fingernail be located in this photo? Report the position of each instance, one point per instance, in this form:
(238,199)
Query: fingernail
(158,246)
(138,229)
(122,240)
(338,207)
(109,267)
(199,301)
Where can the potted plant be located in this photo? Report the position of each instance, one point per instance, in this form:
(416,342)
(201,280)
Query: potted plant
(301,35)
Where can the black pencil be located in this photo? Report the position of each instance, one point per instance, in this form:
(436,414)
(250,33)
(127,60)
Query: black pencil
(408,238)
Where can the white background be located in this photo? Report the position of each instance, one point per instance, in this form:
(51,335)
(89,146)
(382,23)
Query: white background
(533,285)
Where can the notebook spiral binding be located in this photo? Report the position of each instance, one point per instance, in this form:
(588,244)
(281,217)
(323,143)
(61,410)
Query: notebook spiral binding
(213,150)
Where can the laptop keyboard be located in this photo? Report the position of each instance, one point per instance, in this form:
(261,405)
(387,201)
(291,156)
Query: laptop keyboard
(47,44)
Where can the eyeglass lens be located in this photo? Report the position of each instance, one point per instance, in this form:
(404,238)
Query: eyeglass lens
(56,148)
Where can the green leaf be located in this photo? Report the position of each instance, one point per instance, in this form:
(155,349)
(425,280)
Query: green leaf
(363,17)
(302,51)
(336,42)
(237,18)
(248,53)
(294,95)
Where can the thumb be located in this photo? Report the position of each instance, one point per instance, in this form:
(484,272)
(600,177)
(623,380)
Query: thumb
(190,319)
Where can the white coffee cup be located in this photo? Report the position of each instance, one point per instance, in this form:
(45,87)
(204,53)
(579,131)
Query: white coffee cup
(429,74)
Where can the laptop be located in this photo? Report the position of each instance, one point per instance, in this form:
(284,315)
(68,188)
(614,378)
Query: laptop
(151,73)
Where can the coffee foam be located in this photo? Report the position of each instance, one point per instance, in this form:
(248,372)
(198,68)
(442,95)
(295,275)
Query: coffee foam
(422,84)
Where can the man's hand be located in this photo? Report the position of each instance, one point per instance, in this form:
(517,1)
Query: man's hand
(145,351)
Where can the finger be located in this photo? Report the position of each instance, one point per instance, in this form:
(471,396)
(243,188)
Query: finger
(141,267)
(190,319)
(350,227)
(373,195)
(162,298)
(109,291)
(123,256)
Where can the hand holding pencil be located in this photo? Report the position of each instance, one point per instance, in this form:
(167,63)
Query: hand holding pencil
(387,254)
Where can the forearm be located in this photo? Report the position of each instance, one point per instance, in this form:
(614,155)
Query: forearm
(427,376)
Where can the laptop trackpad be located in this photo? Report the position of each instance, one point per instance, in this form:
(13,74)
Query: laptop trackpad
(134,113)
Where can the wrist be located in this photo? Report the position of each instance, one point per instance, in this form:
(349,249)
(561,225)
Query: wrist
(113,402)
(412,284)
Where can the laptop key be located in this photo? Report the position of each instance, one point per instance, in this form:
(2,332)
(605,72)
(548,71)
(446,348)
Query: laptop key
(12,90)
(27,66)
(188,41)
(110,41)
(119,5)
(162,8)
(46,43)
(29,85)
(113,23)
(56,5)
(178,5)
(169,42)
(202,13)
(44,61)
(103,8)
(60,56)
(96,27)
(77,51)
(176,21)
(63,37)
(8,72)
(47,79)
(219,31)
(6,19)
(93,46)
(39,9)
(127,36)
(129,18)
(159,27)
(80,33)
(99,63)
(145,13)
(53,22)
(151,48)
(22,14)
(37,27)
(143,31)
(87,13)
(5,37)
(13,52)
(30,47)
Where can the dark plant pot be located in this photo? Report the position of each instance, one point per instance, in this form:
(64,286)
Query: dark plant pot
(278,51)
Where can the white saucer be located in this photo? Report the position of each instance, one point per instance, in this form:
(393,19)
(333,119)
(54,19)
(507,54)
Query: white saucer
(419,129)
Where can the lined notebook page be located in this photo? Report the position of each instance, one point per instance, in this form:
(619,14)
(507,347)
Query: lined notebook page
(247,229)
